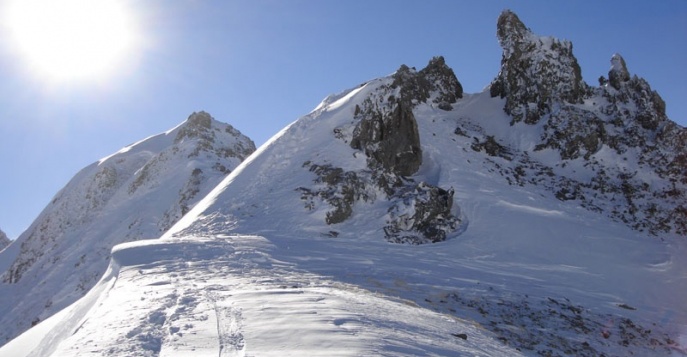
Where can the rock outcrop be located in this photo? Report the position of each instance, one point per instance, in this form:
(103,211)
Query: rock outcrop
(421,213)
(541,82)
(618,73)
(389,136)
(385,130)
(536,72)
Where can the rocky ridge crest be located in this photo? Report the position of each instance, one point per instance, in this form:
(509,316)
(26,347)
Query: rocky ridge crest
(540,80)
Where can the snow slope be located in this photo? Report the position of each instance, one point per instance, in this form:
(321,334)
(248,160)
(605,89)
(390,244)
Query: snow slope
(249,271)
(257,268)
(229,296)
(135,193)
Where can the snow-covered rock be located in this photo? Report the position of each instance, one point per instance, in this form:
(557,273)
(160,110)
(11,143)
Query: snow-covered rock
(618,152)
(4,241)
(536,72)
(136,193)
(554,233)
(618,74)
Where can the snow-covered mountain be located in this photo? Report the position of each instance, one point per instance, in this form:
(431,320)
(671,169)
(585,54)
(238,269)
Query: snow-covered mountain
(543,216)
(4,241)
(136,193)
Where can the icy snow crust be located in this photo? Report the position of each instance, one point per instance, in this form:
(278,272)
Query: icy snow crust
(250,272)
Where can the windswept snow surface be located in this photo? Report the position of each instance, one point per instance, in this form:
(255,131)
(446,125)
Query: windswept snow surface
(229,296)
(250,272)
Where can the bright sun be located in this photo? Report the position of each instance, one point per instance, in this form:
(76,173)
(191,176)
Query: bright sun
(72,39)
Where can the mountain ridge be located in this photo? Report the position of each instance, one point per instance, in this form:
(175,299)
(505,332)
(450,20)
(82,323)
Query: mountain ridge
(146,187)
(518,208)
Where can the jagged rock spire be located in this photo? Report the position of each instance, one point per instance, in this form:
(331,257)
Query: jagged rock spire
(535,71)
(510,30)
(618,72)
(387,130)
(389,135)
(443,81)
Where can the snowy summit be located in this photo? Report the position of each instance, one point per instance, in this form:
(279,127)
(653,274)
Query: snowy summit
(136,193)
(401,217)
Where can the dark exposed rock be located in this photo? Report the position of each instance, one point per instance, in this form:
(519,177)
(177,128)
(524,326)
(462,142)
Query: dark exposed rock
(573,132)
(199,125)
(339,188)
(650,107)
(196,126)
(460,335)
(492,147)
(389,136)
(421,214)
(618,74)
(535,71)
(386,131)
(443,82)
(412,87)
(393,141)
(536,325)
(435,80)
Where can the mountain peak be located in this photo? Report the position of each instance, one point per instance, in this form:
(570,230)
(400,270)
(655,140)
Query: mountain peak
(618,72)
(535,71)
(135,193)
(510,30)
(199,119)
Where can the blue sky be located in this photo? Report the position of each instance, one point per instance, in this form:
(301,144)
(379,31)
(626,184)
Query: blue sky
(261,64)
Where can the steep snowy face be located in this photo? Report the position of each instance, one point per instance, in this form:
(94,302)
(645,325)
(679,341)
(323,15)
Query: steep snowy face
(356,159)
(536,72)
(4,241)
(136,193)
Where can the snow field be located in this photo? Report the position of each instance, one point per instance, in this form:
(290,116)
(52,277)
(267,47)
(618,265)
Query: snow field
(224,297)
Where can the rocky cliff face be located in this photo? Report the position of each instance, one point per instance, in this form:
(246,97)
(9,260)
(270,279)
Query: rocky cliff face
(537,73)
(385,130)
(136,193)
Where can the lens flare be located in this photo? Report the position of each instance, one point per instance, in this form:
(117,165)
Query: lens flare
(70,39)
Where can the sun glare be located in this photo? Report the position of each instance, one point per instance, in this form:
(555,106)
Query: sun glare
(72,39)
